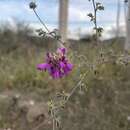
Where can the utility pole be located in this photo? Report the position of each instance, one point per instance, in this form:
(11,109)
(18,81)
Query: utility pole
(118,19)
(63,19)
(127,44)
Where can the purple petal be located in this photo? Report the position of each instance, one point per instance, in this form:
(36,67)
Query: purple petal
(42,66)
(56,75)
(62,65)
(48,57)
(69,66)
(61,51)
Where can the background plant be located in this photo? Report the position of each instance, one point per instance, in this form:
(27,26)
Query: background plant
(97,6)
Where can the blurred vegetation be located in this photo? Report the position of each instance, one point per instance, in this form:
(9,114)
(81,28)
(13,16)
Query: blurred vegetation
(104,105)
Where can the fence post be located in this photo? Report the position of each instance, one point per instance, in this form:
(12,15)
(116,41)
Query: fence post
(63,19)
(127,44)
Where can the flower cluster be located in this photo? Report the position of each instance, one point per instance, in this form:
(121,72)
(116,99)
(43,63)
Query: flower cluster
(56,64)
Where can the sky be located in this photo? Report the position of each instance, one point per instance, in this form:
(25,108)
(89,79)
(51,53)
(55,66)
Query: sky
(12,10)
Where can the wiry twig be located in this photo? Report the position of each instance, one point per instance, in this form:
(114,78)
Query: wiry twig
(44,25)
(76,87)
(95,18)
(54,108)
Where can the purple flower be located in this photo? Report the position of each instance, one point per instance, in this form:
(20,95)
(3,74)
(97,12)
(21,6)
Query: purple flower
(56,64)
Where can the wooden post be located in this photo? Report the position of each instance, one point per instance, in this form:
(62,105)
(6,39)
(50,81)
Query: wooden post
(63,19)
(118,19)
(127,44)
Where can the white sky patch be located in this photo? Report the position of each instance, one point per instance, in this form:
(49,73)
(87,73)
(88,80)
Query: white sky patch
(76,14)
(11,9)
(26,7)
(12,23)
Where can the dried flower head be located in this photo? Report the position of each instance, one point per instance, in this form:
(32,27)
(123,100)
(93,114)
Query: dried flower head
(56,64)
(32,5)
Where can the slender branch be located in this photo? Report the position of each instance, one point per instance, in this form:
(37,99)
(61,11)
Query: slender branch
(44,25)
(125,11)
(75,88)
(41,21)
(72,91)
(118,19)
(95,18)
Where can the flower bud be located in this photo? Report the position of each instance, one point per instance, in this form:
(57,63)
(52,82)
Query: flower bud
(32,5)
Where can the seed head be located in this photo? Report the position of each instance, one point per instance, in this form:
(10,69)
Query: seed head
(32,5)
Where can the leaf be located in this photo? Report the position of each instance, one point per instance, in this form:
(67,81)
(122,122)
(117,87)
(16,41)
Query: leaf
(92,18)
(99,29)
(99,6)
(90,15)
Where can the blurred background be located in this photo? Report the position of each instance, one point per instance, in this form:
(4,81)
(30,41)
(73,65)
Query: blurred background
(103,104)
(79,23)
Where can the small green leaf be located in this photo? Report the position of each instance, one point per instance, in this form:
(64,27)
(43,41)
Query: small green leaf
(99,6)
(90,15)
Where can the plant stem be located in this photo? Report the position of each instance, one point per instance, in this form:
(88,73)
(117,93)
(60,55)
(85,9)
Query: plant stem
(41,21)
(44,25)
(95,19)
(75,88)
